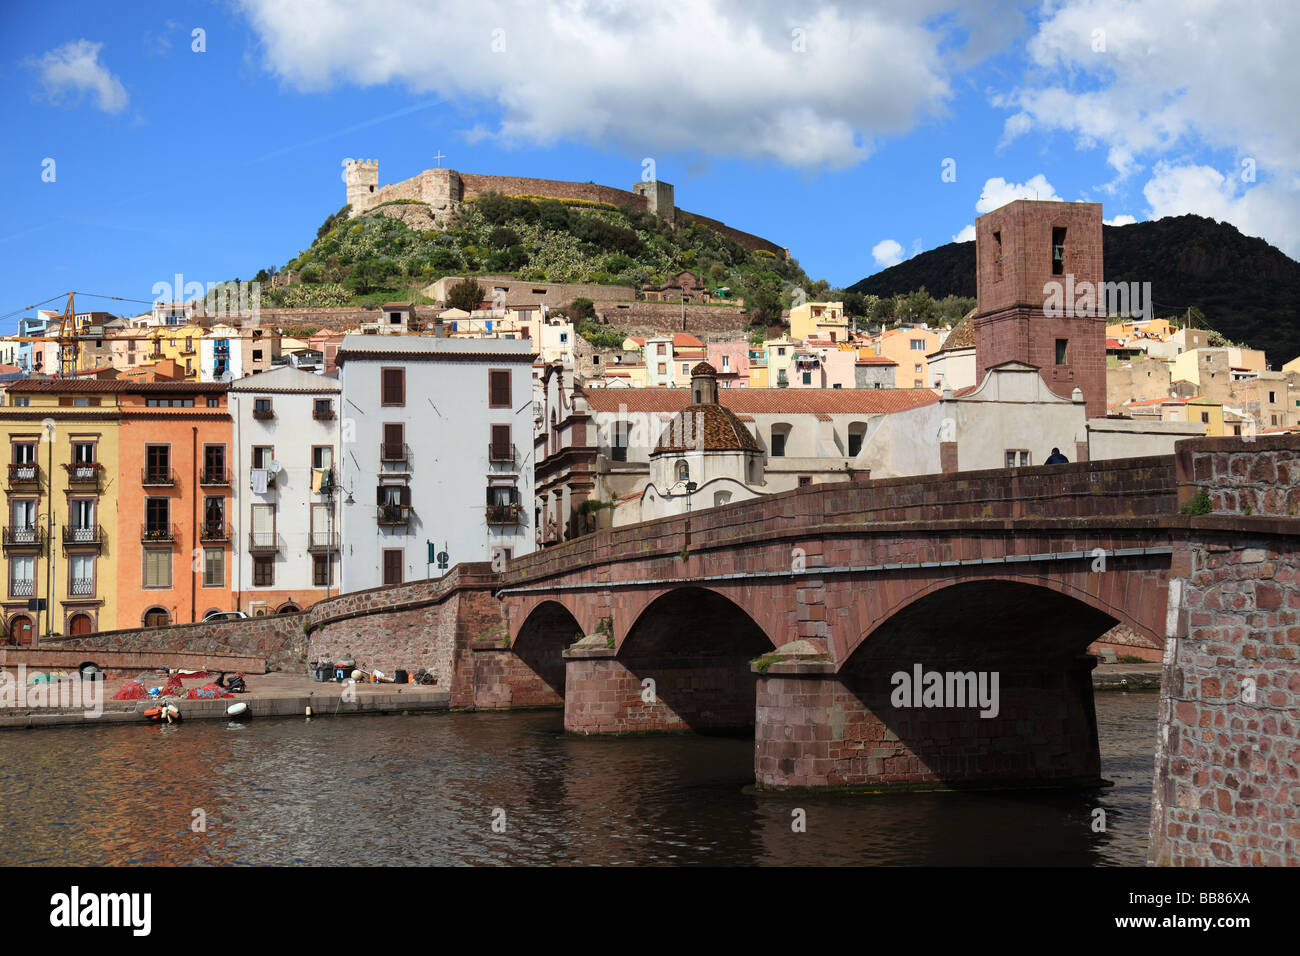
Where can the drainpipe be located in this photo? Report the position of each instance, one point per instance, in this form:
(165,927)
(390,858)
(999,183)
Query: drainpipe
(194,508)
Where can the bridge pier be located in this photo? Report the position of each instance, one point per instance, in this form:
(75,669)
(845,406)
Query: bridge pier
(604,694)
(504,680)
(817,728)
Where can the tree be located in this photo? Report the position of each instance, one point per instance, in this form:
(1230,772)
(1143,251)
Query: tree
(466,295)
(763,305)
(366,276)
(581,308)
(337,219)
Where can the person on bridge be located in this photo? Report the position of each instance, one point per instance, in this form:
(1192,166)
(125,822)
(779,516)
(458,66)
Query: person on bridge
(1056,458)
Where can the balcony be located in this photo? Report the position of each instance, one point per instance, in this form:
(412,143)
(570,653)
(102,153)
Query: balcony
(214,531)
(263,414)
(83,474)
(157,477)
(504,514)
(83,534)
(156,532)
(394,453)
(25,473)
(263,542)
(83,587)
(504,453)
(322,542)
(270,480)
(323,414)
(214,477)
(393,515)
(22,536)
(22,588)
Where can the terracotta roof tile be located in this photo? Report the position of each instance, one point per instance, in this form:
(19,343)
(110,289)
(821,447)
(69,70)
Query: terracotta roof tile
(769,401)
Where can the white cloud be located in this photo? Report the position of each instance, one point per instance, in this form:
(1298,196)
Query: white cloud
(887,253)
(74,69)
(1123,219)
(1271,212)
(997,192)
(719,77)
(1174,76)
(967,233)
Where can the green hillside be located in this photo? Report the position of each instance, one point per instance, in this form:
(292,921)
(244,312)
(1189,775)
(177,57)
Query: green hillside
(1247,290)
(378,256)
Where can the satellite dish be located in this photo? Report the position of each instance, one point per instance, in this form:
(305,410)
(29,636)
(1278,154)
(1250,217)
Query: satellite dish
(274,467)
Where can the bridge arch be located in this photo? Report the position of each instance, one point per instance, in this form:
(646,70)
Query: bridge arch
(541,639)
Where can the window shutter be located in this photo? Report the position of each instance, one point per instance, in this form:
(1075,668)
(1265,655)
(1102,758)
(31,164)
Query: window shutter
(501,439)
(394,386)
(406,496)
(379,495)
(499,389)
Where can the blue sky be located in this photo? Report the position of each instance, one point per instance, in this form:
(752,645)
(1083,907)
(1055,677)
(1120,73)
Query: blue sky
(131,157)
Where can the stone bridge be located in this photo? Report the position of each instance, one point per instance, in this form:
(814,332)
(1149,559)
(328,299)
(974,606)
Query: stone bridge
(797,615)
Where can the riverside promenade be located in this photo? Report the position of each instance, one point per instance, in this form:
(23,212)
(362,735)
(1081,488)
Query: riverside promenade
(268,695)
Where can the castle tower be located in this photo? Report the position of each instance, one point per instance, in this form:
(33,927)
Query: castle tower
(362,178)
(1031,262)
(659,199)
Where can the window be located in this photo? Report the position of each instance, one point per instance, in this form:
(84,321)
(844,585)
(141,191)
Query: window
(805,480)
(501,449)
(1017,457)
(214,463)
(158,461)
(498,388)
(22,401)
(780,351)
(263,570)
(1058,252)
(24,453)
(997,256)
(686,368)
(916,370)
(157,568)
(157,516)
(663,369)
(393,386)
(1062,348)
(214,514)
(807,378)
(618,448)
(1272,398)
(323,409)
(257,355)
(322,456)
(917,345)
(262,455)
(169,402)
(81,514)
(1205,418)
(322,571)
(778,444)
(392,565)
(394,445)
(683,471)
(214,402)
(81,575)
(262,408)
(855,443)
(83,453)
(214,568)
(22,575)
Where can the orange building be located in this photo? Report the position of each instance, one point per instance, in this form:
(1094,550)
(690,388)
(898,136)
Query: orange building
(174,503)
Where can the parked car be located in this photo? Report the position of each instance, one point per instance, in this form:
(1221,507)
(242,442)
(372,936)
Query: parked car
(225,616)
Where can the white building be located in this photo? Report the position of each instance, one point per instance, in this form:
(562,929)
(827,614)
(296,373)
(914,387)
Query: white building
(437,452)
(221,353)
(286,449)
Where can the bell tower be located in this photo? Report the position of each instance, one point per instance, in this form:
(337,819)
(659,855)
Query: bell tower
(1039,289)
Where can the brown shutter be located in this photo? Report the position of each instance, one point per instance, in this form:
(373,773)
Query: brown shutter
(406,496)
(500,441)
(499,389)
(394,386)
(379,495)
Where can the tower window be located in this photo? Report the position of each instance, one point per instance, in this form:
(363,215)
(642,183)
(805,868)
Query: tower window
(1061,349)
(1058,250)
(997,256)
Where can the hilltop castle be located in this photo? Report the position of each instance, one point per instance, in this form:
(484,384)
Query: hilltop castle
(443,190)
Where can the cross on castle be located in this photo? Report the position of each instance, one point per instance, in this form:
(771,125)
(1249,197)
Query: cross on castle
(439,157)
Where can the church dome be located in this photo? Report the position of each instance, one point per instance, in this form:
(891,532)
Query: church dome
(704,368)
(721,430)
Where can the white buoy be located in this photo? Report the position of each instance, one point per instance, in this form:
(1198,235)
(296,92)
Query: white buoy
(309,711)
(238,710)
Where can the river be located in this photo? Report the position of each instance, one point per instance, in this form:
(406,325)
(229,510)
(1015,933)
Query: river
(427,790)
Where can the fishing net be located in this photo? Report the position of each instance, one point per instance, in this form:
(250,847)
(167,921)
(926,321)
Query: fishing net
(207,692)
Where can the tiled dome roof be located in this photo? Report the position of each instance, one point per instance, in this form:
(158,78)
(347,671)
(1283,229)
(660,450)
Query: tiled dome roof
(723,431)
(962,335)
(704,368)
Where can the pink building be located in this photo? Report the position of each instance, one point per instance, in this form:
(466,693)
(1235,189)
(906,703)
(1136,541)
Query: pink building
(731,360)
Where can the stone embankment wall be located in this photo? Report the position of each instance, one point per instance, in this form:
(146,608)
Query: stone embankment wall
(278,639)
(1227,782)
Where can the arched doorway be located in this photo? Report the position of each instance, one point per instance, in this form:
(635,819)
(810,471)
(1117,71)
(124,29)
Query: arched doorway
(20,629)
(81,623)
(289,608)
(157,617)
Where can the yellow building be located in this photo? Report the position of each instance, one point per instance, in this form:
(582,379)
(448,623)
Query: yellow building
(908,347)
(1140,328)
(779,353)
(813,317)
(60,496)
(180,343)
(1207,413)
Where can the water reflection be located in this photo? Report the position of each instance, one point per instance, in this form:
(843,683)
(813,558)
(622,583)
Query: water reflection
(423,790)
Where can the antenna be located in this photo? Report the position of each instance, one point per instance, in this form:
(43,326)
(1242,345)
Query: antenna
(274,468)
